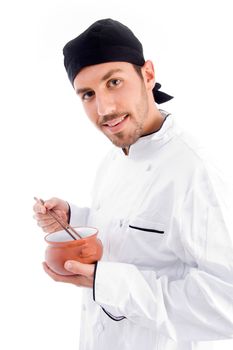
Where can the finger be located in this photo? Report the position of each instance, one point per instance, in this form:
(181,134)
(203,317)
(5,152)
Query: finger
(49,226)
(39,208)
(39,216)
(51,203)
(44,223)
(78,268)
(52,228)
(59,213)
(56,277)
(77,280)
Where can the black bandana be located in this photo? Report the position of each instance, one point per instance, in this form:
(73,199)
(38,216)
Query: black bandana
(106,41)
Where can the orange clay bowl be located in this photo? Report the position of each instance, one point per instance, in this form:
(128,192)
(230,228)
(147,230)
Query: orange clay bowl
(61,247)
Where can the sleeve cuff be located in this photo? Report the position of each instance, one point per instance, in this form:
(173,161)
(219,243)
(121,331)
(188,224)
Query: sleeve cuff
(78,216)
(114,318)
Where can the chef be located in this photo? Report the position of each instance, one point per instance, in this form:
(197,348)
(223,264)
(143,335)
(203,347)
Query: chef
(165,281)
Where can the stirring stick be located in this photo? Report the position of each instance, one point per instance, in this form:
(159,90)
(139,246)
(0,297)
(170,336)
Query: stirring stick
(69,229)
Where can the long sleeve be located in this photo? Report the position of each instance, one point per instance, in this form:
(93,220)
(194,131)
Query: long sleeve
(198,306)
(79,215)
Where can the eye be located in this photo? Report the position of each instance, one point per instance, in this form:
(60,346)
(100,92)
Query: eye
(114,82)
(87,95)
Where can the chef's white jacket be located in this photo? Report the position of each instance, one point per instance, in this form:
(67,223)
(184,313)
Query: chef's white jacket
(165,281)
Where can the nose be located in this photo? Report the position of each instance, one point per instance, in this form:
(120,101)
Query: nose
(105,104)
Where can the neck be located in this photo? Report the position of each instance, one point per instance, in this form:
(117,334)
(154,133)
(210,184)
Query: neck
(126,150)
(154,122)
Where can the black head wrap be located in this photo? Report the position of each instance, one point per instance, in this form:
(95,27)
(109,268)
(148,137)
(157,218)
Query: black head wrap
(106,40)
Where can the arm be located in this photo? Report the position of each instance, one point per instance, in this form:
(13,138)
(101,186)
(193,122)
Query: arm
(200,305)
(78,215)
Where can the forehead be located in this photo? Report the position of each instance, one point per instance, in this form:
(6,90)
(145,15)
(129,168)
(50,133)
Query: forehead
(94,74)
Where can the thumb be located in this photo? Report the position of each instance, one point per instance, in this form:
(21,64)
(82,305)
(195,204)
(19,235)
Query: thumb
(50,203)
(79,269)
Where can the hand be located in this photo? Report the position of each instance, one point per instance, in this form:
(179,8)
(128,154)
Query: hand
(84,274)
(44,220)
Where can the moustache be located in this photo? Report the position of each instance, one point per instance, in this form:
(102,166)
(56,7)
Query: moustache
(108,117)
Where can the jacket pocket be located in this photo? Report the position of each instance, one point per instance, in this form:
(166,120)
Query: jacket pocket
(144,242)
(145,225)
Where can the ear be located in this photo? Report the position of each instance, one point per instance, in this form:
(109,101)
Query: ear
(148,74)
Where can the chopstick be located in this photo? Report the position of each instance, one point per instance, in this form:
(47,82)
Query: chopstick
(69,229)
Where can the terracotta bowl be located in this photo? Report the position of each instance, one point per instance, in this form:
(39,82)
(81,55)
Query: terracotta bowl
(61,247)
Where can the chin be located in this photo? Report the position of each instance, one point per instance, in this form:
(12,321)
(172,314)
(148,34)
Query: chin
(123,140)
(124,143)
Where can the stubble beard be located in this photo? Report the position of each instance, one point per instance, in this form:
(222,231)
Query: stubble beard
(123,141)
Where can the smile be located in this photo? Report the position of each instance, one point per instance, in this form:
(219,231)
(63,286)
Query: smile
(116,125)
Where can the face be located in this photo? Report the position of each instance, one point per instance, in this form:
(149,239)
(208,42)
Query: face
(115,99)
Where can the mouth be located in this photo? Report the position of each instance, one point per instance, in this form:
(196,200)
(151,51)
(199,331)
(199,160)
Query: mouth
(116,125)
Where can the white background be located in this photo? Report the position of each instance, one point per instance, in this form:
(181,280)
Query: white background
(49,148)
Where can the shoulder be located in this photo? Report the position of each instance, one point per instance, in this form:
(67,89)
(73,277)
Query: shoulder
(181,160)
(183,152)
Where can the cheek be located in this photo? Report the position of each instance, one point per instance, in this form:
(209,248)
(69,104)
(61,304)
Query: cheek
(130,96)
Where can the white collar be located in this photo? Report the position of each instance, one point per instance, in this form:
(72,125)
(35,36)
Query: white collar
(155,139)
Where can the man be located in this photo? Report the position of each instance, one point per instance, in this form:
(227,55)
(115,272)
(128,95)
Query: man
(166,277)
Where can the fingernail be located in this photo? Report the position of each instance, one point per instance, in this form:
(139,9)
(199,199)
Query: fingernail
(68,266)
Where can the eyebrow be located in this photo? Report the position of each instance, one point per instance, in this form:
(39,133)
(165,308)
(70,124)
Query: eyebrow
(105,77)
(110,73)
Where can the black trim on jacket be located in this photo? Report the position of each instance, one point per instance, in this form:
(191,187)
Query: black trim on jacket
(94,279)
(69,213)
(114,318)
(146,229)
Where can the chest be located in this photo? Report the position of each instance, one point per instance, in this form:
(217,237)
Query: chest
(132,206)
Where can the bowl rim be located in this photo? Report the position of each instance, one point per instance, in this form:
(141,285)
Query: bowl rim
(71,241)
